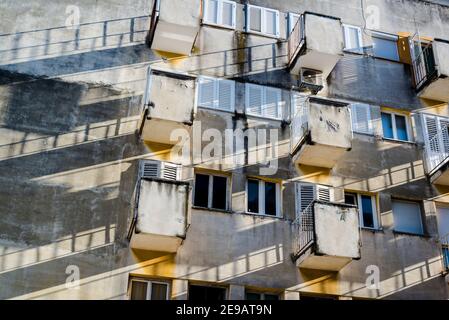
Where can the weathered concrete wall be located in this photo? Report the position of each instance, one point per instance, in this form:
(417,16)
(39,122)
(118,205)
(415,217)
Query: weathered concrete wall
(69,162)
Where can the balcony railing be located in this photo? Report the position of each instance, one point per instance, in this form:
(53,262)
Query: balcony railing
(303,231)
(437,150)
(299,126)
(153,21)
(445,251)
(296,39)
(424,67)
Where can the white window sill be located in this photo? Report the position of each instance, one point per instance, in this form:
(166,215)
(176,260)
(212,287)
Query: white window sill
(266,35)
(261,215)
(398,141)
(216,109)
(262,117)
(216,25)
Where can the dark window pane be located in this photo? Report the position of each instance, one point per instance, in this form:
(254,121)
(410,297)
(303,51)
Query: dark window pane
(201,190)
(368,213)
(200,293)
(253,196)
(350,198)
(158,291)
(219,193)
(139,290)
(387,125)
(271,297)
(252,296)
(270,198)
(401,128)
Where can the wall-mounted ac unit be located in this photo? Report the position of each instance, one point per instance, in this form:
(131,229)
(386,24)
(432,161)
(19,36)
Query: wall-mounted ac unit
(159,170)
(312,77)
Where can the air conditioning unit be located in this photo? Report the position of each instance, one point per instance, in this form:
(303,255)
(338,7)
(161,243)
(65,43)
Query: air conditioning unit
(159,170)
(311,79)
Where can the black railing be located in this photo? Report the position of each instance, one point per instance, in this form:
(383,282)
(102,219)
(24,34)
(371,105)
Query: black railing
(304,229)
(153,21)
(424,68)
(296,39)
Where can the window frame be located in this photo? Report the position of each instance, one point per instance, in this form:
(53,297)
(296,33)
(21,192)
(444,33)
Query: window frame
(393,119)
(421,217)
(376,217)
(359,38)
(149,286)
(290,25)
(219,22)
(263,26)
(261,196)
(389,37)
(216,94)
(210,191)
(264,89)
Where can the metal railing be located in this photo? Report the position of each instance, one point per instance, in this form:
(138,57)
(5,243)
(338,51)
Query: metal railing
(304,231)
(437,150)
(445,251)
(424,68)
(154,19)
(296,39)
(299,125)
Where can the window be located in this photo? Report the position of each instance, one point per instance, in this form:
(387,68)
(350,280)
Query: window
(361,118)
(262,20)
(293,18)
(206,293)
(353,38)
(385,46)
(308,192)
(219,12)
(263,197)
(395,126)
(407,217)
(216,94)
(148,290)
(211,191)
(263,101)
(367,209)
(260,296)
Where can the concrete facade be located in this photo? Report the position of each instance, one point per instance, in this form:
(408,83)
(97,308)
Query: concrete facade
(72,101)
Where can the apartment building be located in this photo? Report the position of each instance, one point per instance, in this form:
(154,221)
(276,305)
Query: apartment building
(215,149)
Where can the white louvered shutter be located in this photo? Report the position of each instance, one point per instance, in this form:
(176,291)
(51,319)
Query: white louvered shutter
(150,169)
(254,99)
(206,92)
(226,95)
(323,193)
(272,103)
(444,125)
(169,171)
(158,169)
(361,118)
(305,194)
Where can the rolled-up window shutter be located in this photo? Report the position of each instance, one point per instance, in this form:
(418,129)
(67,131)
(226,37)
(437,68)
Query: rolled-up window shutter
(206,92)
(272,102)
(254,99)
(361,118)
(226,95)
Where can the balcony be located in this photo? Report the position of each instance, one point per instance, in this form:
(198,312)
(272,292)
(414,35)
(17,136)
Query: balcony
(165,111)
(327,236)
(431,71)
(161,209)
(174,25)
(320,132)
(315,43)
(436,148)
